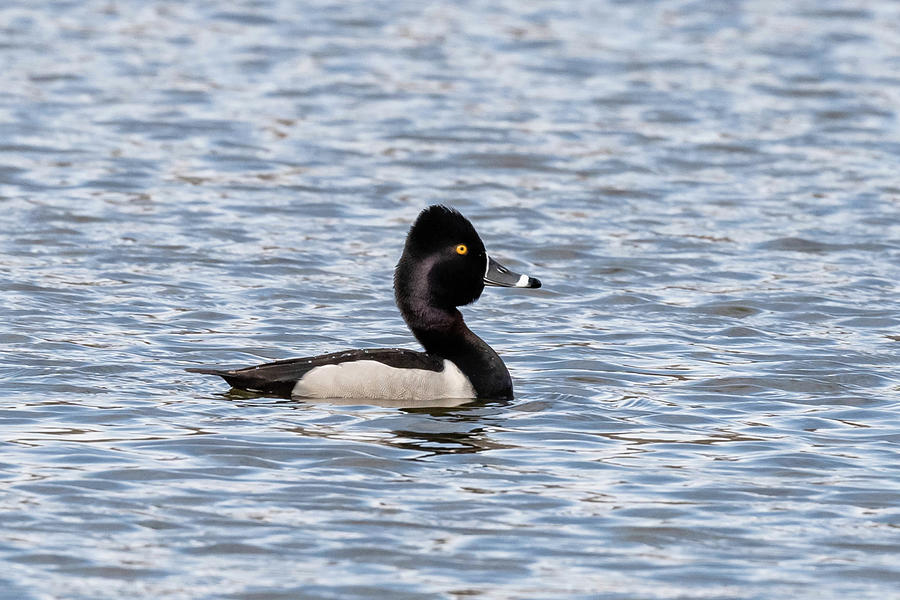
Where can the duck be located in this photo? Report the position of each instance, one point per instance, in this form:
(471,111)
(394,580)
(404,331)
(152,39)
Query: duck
(444,265)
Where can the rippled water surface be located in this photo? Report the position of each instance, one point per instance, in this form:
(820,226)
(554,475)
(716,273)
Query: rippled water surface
(707,387)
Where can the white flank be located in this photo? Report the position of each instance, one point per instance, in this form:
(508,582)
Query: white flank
(372,379)
(523,281)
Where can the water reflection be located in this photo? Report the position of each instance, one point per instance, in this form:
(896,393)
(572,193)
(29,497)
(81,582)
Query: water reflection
(434,427)
(464,429)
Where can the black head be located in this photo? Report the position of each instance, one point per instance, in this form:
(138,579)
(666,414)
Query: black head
(443,261)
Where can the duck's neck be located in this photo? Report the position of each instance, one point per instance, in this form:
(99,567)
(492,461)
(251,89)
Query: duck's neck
(443,332)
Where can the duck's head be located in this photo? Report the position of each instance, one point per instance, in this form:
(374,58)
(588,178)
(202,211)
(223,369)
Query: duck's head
(444,263)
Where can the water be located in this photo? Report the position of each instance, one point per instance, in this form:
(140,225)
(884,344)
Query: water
(707,394)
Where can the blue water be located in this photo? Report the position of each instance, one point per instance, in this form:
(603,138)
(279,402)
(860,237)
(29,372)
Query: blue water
(707,388)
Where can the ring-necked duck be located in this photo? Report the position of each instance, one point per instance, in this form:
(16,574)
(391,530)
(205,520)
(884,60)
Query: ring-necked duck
(443,265)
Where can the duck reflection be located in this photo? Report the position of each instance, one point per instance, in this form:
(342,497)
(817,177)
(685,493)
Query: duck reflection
(464,429)
(442,427)
(435,427)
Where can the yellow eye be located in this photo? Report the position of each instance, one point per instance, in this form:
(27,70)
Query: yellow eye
(462,249)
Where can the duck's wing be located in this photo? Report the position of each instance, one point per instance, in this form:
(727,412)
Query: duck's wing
(280,377)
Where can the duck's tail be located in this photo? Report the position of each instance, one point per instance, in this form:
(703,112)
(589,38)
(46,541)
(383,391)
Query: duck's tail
(250,379)
(205,371)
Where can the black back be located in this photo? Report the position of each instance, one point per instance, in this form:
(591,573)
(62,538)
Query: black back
(281,376)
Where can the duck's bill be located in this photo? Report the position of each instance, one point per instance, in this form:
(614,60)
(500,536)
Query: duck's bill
(498,275)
